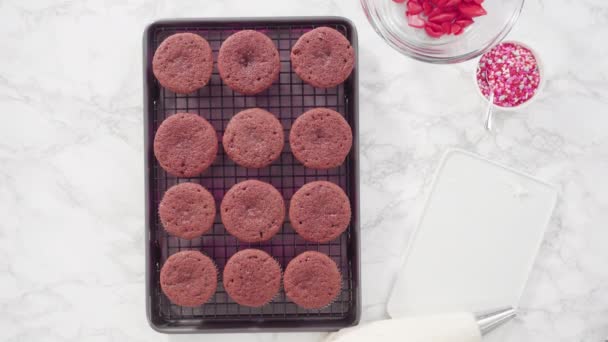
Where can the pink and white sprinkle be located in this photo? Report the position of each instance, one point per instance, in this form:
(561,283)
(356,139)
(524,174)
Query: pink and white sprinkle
(513,74)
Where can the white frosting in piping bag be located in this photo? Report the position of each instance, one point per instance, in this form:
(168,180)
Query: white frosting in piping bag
(454,327)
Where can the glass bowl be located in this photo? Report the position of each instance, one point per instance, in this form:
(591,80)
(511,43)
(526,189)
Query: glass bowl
(389,20)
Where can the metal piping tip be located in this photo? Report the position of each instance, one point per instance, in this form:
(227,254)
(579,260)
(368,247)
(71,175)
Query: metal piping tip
(491,320)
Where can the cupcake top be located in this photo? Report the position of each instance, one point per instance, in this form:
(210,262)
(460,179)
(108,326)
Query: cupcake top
(188,278)
(253,138)
(319,211)
(183,63)
(323,57)
(312,280)
(320,138)
(253,211)
(185,144)
(187,210)
(248,62)
(252,277)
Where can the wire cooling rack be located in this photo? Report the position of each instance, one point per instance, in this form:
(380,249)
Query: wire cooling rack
(287,98)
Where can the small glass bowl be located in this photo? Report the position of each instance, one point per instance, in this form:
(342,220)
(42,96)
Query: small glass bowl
(541,85)
(389,20)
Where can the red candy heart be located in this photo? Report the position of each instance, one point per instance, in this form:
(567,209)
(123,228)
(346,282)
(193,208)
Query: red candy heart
(443,17)
(453,3)
(439,17)
(456,29)
(415,21)
(413,7)
(433,33)
(472,10)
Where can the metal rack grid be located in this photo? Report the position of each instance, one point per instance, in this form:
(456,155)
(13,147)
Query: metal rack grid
(287,98)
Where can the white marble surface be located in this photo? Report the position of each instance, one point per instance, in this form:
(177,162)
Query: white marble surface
(71,162)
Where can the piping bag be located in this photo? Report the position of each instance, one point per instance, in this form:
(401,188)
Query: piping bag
(452,327)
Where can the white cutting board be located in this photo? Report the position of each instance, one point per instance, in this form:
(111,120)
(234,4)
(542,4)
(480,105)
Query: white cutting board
(476,241)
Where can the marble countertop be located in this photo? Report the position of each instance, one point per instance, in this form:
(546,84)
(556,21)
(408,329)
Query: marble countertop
(71,175)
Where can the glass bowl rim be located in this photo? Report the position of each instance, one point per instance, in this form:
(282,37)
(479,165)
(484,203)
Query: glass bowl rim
(415,53)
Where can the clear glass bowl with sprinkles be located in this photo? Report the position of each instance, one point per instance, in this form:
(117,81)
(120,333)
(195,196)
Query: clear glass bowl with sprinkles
(389,20)
(513,72)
